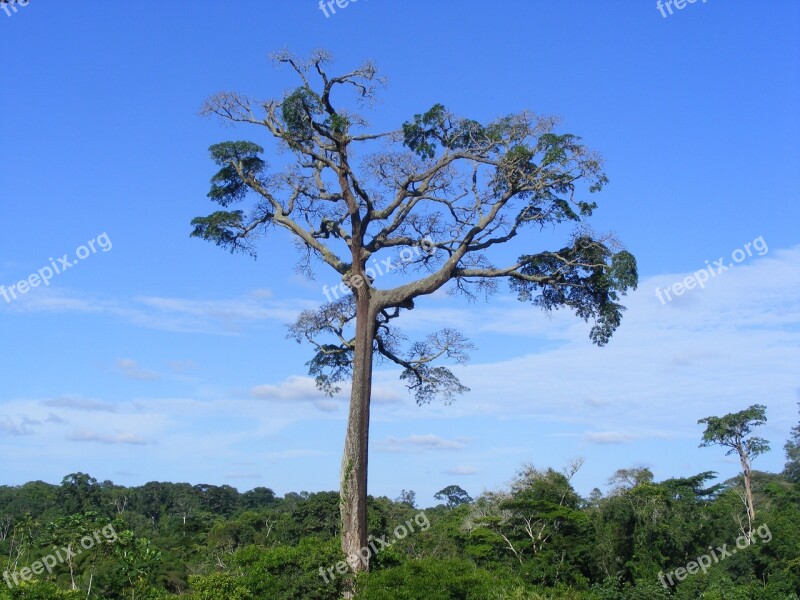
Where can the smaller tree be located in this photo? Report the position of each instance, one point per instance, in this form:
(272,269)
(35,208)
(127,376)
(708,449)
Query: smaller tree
(624,479)
(792,447)
(407,497)
(454,495)
(539,505)
(732,431)
(79,493)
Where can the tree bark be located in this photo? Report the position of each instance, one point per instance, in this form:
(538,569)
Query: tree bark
(748,492)
(353,502)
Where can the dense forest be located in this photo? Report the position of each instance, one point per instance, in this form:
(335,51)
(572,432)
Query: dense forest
(684,537)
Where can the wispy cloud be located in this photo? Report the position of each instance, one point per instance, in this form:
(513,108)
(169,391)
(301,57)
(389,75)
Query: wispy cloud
(122,437)
(54,418)
(9,426)
(462,470)
(296,453)
(182,366)
(186,315)
(418,443)
(609,437)
(76,403)
(297,389)
(668,365)
(242,475)
(130,370)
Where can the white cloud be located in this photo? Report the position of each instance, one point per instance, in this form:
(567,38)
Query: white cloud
(122,437)
(298,389)
(418,443)
(180,366)
(710,351)
(185,315)
(294,388)
(130,370)
(83,404)
(462,470)
(609,437)
(9,426)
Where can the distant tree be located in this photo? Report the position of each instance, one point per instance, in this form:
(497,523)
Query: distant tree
(117,497)
(259,497)
(437,197)
(218,499)
(792,447)
(594,499)
(630,478)
(184,502)
(525,520)
(152,500)
(34,498)
(79,493)
(407,497)
(454,495)
(732,431)
(317,515)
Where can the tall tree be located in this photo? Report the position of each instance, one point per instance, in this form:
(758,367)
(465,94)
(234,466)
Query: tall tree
(792,447)
(455,496)
(732,431)
(445,194)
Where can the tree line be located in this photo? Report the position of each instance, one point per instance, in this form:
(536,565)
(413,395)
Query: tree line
(538,538)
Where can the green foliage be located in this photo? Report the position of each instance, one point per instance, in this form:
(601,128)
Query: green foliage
(240,162)
(208,541)
(421,135)
(219,586)
(221,227)
(431,579)
(587,277)
(37,590)
(732,430)
(299,110)
(454,495)
(288,572)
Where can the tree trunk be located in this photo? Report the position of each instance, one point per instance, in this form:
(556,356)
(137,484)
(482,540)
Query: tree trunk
(353,502)
(748,494)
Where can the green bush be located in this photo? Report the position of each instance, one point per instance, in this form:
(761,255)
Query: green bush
(218,586)
(432,579)
(37,590)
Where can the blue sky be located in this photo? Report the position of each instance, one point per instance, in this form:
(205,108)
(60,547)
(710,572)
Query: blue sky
(165,358)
